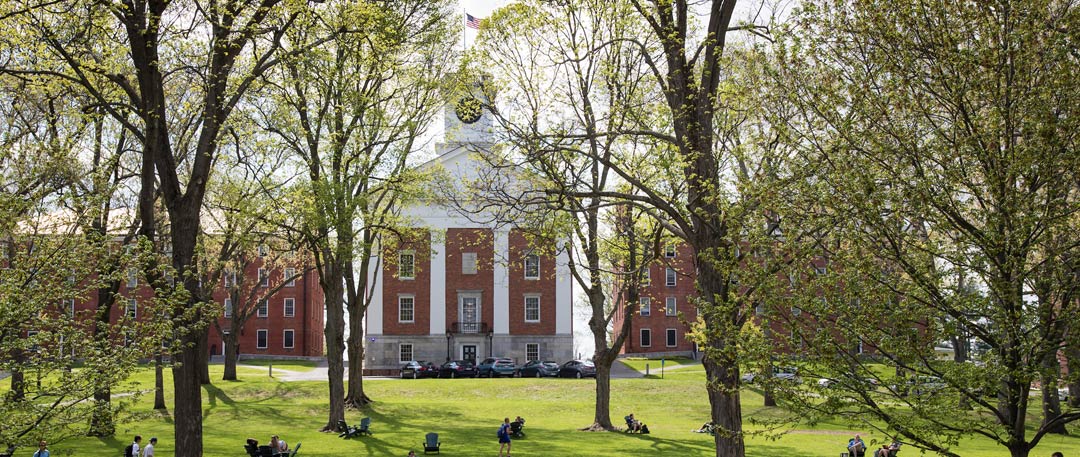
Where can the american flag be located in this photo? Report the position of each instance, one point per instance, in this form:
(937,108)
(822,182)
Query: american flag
(471,21)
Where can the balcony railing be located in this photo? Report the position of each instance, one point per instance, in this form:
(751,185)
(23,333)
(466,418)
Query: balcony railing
(469,327)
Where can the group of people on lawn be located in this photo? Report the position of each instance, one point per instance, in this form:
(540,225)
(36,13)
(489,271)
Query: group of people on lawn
(857,448)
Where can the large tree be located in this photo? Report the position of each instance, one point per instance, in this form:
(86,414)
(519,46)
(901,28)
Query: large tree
(352,114)
(172,74)
(563,99)
(945,133)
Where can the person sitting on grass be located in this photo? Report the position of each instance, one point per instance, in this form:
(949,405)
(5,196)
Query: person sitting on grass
(856,447)
(707,427)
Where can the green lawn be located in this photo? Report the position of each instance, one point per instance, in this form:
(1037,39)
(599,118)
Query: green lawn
(291,365)
(638,363)
(467,412)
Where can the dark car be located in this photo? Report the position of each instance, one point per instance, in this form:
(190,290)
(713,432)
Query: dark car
(458,369)
(577,369)
(494,367)
(419,369)
(538,369)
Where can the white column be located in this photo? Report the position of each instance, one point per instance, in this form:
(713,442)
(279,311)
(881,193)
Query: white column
(374,318)
(564,292)
(501,294)
(438,283)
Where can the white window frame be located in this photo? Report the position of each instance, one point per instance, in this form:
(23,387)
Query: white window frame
(263,250)
(264,278)
(671,335)
(670,277)
(132,310)
(645,304)
(228,308)
(286,335)
(412,265)
(646,279)
(132,278)
(468,263)
(402,352)
(263,308)
(289,273)
(229,278)
(526,266)
(641,337)
(288,307)
(796,311)
(526,304)
(265,337)
(412,309)
(671,306)
(532,351)
(822,270)
(670,251)
(69,306)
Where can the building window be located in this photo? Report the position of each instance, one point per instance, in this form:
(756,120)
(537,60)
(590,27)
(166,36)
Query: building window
(532,308)
(646,277)
(132,278)
(822,270)
(133,308)
(669,308)
(264,308)
(646,305)
(69,306)
(670,277)
(290,307)
(290,281)
(228,308)
(796,311)
(759,310)
(532,266)
(532,352)
(468,263)
(264,278)
(405,353)
(406,309)
(230,278)
(406,265)
(263,250)
(646,337)
(671,338)
(287,339)
(669,250)
(261,337)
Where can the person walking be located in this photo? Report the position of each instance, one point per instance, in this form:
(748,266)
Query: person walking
(504,437)
(132,450)
(43,450)
(149,450)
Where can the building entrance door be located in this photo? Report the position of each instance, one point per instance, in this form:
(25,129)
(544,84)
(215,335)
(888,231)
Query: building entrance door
(468,352)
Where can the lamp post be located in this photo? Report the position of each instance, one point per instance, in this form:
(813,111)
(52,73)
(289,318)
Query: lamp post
(491,336)
(448,337)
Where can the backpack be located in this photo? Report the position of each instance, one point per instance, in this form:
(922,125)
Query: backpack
(502,431)
(128,449)
(644,429)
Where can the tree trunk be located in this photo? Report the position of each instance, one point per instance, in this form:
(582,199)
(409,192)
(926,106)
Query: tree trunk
(1073,355)
(232,352)
(335,345)
(356,398)
(204,356)
(159,382)
(960,355)
(1051,404)
(187,398)
(723,389)
(602,410)
(101,419)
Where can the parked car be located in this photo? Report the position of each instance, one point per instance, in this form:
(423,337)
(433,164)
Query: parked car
(790,374)
(458,369)
(577,369)
(494,367)
(919,385)
(868,383)
(419,369)
(538,369)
